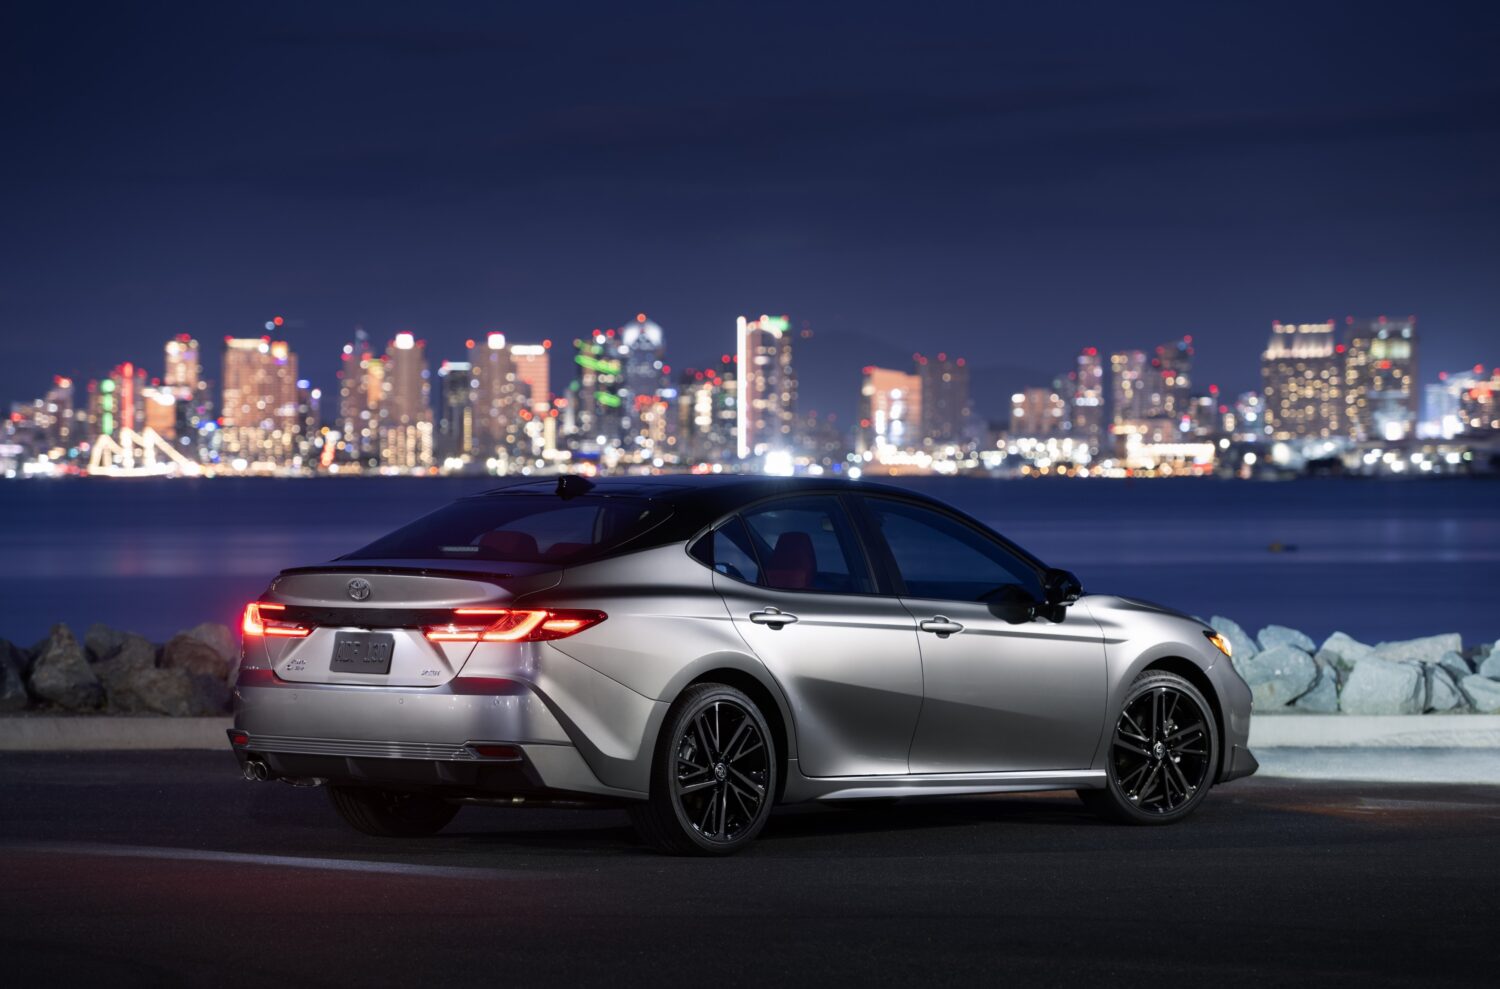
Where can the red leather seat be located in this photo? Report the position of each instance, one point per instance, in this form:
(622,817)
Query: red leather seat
(508,545)
(793,565)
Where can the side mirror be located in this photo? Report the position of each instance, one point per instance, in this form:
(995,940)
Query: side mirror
(1061,587)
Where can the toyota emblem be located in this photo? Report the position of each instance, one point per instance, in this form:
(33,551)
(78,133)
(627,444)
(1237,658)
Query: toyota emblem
(359,588)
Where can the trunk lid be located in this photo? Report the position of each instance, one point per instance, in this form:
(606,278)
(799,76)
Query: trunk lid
(387,598)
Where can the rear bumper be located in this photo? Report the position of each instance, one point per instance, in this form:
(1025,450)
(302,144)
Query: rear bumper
(414,737)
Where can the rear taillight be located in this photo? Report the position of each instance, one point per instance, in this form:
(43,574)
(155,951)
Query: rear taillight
(259,620)
(513,625)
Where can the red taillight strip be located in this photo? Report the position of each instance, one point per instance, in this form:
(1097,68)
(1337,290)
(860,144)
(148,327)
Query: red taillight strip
(255,624)
(515,625)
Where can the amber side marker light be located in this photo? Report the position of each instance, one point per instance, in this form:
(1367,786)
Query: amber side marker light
(1220,643)
(513,624)
(256,623)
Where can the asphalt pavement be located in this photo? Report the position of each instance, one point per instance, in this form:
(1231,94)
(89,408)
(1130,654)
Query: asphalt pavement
(164,868)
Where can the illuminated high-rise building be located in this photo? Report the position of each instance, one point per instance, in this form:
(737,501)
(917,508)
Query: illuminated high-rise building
(455,425)
(261,425)
(1172,367)
(707,416)
(947,412)
(595,405)
(532,368)
(184,370)
(1302,373)
(405,430)
(57,417)
(1039,413)
(159,404)
(1087,399)
(361,392)
(1380,378)
(890,411)
(1130,390)
(767,385)
(498,398)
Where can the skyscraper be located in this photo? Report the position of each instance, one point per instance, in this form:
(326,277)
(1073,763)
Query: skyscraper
(1087,412)
(1129,389)
(890,411)
(455,427)
(707,416)
(361,391)
(1380,378)
(1037,412)
(595,403)
(1173,369)
(533,372)
(184,371)
(260,419)
(946,404)
(1302,371)
(767,399)
(497,400)
(406,408)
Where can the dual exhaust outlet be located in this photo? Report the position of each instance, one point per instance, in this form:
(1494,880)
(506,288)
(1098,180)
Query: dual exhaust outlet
(256,771)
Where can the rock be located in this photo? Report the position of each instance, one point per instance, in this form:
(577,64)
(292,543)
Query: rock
(1455,663)
(1278,676)
(1482,692)
(133,656)
(1343,651)
(220,638)
(1240,642)
(61,675)
(1442,690)
(102,642)
(155,691)
(210,696)
(188,652)
(1323,698)
(1279,635)
(1490,666)
(1378,686)
(13,663)
(1425,650)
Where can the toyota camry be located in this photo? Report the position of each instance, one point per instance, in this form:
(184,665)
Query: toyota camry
(700,649)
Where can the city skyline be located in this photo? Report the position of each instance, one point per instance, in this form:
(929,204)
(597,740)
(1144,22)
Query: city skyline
(1328,389)
(896,176)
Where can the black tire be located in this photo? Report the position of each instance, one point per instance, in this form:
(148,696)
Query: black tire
(713,775)
(1163,754)
(391,813)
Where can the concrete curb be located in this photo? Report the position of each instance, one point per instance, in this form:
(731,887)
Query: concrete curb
(52,734)
(1358,731)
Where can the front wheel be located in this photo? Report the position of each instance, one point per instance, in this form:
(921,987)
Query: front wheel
(1162,754)
(391,813)
(714,776)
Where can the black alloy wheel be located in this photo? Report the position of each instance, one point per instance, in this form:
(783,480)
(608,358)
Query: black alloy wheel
(1162,754)
(715,776)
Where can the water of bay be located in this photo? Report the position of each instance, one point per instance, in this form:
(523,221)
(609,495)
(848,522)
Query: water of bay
(1380,560)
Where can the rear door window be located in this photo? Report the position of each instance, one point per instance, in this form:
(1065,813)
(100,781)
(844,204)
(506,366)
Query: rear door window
(727,550)
(808,544)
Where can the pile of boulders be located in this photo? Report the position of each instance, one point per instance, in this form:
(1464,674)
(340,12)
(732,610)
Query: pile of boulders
(1288,672)
(114,672)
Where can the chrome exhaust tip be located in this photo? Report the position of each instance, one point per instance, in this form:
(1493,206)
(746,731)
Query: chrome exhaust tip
(256,770)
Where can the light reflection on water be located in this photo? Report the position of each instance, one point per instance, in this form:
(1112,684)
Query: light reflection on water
(1379,560)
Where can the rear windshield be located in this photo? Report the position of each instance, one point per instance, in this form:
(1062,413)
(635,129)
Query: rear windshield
(520,529)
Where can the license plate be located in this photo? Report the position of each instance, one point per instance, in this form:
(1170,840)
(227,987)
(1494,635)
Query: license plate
(362,652)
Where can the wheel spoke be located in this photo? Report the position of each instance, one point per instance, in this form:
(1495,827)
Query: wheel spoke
(1139,733)
(686,788)
(1184,732)
(700,725)
(1131,747)
(728,751)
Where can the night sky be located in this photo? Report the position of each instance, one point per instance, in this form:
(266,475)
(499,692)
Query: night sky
(1001,181)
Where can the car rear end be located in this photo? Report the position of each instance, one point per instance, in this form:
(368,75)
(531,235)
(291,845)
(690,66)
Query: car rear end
(428,661)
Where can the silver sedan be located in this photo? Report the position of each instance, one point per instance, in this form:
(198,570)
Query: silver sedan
(700,649)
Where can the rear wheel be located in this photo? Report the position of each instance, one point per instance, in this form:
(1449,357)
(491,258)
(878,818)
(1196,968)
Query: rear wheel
(714,776)
(391,813)
(1162,754)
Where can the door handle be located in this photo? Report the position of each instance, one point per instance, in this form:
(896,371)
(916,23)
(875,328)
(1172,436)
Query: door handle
(940,626)
(773,617)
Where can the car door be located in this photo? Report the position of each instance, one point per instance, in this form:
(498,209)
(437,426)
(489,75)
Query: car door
(801,592)
(999,694)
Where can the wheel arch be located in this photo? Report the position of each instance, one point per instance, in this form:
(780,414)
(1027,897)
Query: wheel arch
(770,706)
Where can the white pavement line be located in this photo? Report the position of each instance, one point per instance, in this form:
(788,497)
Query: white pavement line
(244,858)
